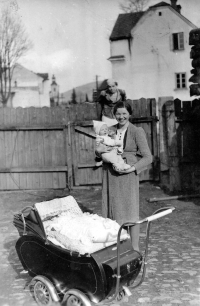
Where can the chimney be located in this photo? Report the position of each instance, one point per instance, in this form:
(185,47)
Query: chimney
(176,7)
(173,4)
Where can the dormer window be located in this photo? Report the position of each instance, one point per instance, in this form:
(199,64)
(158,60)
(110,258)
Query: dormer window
(178,41)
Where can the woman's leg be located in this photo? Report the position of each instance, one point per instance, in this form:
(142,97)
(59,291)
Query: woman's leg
(135,233)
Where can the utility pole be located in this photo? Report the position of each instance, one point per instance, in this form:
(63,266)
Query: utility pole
(97,85)
(95,91)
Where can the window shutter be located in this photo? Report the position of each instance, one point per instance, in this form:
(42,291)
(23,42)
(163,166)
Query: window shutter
(171,45)
(181,41)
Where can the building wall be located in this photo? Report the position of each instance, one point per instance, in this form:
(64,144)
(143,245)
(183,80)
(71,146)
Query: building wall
(29,89)
(149,69)
(25,97)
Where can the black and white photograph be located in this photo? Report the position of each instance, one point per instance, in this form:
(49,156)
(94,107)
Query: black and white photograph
(100,152)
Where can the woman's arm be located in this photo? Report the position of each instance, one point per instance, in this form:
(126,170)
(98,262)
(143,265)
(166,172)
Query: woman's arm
(131,169)
(145,152)
(146,157)
(102,148)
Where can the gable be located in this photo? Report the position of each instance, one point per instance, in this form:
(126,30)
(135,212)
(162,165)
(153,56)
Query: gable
(164,5)
(126,22)
(24,74)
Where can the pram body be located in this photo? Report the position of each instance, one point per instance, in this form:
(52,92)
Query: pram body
(60,274)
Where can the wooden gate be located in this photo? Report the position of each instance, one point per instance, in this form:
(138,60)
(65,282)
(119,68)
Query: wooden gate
(83,152)
(35,146)
(83,145)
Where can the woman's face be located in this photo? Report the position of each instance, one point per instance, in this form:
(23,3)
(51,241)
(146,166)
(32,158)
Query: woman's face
(122,116)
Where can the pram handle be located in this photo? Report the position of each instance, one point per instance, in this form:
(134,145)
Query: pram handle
(157,214)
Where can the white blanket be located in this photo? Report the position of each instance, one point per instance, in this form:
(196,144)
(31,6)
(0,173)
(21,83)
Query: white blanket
(66,225)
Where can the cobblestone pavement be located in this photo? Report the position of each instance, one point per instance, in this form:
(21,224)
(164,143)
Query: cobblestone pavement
(173,270)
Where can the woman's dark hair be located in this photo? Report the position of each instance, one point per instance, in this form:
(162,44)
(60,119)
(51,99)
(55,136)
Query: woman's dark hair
(123,104)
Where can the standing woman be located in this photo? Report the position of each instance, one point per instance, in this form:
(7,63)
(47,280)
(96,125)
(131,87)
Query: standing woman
(120,189)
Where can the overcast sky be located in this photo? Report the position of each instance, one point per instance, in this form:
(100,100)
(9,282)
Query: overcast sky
(71,37)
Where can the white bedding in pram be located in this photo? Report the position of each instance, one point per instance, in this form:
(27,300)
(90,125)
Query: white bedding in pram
(66,225)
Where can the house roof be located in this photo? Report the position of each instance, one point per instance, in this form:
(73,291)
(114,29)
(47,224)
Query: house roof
(45,76)
(124,24)
(160,4)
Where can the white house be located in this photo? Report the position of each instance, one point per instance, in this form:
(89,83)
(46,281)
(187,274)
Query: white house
(150,54)
(29,88)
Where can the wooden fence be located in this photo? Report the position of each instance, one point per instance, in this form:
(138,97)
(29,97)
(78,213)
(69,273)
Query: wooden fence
(54,147)
(34,146)
(180,153)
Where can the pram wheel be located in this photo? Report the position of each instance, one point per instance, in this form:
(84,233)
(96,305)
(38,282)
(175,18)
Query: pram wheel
(43,290)
(74,301)
(120,295)
(42,294)
(75,297)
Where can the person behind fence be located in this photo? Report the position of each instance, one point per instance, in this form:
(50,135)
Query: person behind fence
(120,188)
(108,99)
(114,156)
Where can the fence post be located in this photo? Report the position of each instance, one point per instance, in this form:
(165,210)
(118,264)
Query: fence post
(68,155)
(162,142)
(174,171)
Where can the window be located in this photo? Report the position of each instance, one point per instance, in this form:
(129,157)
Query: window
(180,80)
(178,41)
(160,13)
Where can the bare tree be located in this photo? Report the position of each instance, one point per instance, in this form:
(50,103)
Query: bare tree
(130,6)
(14,43)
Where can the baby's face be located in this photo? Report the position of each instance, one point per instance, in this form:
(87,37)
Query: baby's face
(103,130)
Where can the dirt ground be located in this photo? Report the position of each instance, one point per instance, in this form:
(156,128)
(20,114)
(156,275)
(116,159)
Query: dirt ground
(173,270)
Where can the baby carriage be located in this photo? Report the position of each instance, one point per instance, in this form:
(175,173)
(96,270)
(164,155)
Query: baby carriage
(73,275)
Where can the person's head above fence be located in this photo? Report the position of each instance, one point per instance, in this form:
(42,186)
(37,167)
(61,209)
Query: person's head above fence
(123,104)
(111,86)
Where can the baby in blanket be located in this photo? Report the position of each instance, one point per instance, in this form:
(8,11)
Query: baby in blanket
(114,156)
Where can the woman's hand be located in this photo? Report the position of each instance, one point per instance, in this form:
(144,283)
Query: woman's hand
(131,169)
(112,133)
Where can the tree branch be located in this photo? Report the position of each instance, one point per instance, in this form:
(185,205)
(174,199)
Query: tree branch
(14,43)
